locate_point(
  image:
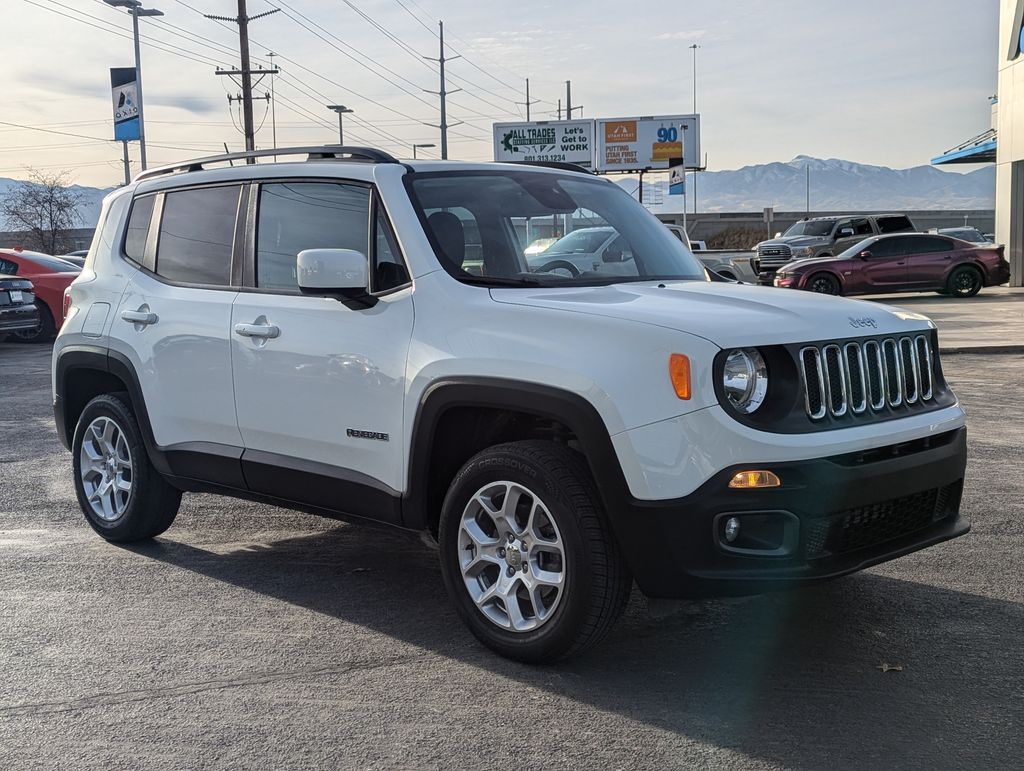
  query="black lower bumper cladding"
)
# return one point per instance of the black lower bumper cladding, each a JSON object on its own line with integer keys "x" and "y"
{"x": 843, "y": 513}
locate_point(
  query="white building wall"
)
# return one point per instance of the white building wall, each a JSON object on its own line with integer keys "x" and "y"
{"x": 1010, "y": 148}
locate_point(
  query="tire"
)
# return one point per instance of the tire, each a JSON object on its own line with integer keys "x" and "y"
{"x": 965, "y": 281}
{"x": 824, "y": 283}
{"x": 563, "y": 265}
{"x": 44, "y": 333}
{"x": 594, "y": 584}
{"x": 111, "y": 434}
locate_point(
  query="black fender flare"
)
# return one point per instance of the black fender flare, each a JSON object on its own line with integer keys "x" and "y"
{"x": 79, "y": 357}
{"x": 570, "y": 409}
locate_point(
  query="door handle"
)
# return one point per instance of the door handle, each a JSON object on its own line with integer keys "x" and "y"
{"x": 268, "y": 331}
{"x": 140, "y": 317}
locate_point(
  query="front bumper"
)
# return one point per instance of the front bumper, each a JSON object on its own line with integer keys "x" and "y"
{"x": 843, "y": 513}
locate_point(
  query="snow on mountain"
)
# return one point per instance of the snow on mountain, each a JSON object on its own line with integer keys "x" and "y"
{"x": 835, "y": 184}
{"x": 92, "y": 197}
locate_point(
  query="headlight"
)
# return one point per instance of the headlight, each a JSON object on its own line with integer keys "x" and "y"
{"x": 745, "y": 379}
{"x": 804, "y": 251}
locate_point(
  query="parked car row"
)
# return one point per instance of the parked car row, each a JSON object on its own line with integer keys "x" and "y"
{"x": 880, "y": 253}
{"x": 38, "y": 280}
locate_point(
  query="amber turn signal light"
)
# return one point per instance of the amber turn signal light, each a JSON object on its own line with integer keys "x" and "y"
{"x": 746, "y": 480}
{"x": 679, "y": 373}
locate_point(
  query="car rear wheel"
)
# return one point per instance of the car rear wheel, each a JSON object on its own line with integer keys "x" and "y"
{"x": 965, "y": 281}
{"x": 44, "y": 333}
{"x": 122, "y": 496}
{"x": 824, "y": 283}
{"x": 527, "y": 556}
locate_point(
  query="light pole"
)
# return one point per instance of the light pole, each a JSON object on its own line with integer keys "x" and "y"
{"x": 341, "y": 110}
{"x": 136, "y": 10}
{"x": 694, "y": 47}
{"x": 424, "y": 145}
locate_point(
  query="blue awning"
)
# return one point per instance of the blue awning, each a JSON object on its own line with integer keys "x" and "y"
{"x": 979, "y": 149}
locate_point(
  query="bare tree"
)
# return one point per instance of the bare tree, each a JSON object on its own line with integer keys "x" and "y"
{"x": 46, "y": 208}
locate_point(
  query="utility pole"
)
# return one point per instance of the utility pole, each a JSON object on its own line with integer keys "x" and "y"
{"x": 528, "y": 102}
{"x": 807, "y": 187}
{"x": 273, "y": 101}
{"x": 341, "y": 110}
{"x": 695, "y": 172}
{"x": 136, "y": 10}
{"x": 246, "y": 71}
{"x": 443, "y": 93}
{"x": 559, "y": 109}
{"x": 569, "y": 109}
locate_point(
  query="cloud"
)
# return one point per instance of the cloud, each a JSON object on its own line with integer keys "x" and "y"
{"x": 193, "y": 104}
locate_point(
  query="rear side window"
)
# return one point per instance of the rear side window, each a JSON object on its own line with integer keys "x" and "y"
{"x": 8, "y": 267}
{"x": 925, "y": 244}
{"x": 294, "y": 216}
{"x": 894, "y": 224}
{"x": 138, "y": 228}
{"x": 197, "y": 233}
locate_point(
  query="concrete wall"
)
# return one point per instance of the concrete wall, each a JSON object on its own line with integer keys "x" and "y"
{"x": 1010, "y": 145}
{"x": 703, "y": 226}
{"x": 80, "y": 238}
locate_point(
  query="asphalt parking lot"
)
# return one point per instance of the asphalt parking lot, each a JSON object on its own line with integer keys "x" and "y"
{"x": 249, "y": 636}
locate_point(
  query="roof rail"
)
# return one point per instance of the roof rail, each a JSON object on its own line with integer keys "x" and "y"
{"x": 560, "y": 165}
{"x": 318, "y": 153}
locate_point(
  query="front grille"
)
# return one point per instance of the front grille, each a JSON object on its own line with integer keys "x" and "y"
{"x": 877, "y": 523}
{"x": 872, "y": 376}
{"x": 774, "y": 256}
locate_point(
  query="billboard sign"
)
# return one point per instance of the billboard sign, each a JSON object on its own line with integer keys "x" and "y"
{"x": 564, "y": 141}
{"x": 124, "y": 93}
{"x": 637, "y": 144}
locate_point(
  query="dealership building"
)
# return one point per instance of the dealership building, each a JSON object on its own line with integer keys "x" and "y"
{"x": 1003, "y": 143}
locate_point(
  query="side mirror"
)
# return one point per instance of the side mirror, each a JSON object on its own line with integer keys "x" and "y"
{"x": 865, "y": 255}
{"x": 845, "y": 233}
{"x": 339, "y": 273}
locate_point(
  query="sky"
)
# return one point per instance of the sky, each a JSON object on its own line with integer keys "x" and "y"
{"x": 884, "y": 82}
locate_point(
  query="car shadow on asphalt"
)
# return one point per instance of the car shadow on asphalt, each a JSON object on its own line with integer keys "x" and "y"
{"x": 855, "y": 672}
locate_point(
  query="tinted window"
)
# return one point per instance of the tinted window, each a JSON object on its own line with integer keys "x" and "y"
{"x": 8, "y": 267}
{"x": 862, "y": 227}
{"x": 894, "y": 224}
{"x": 294, "y": 216}
{"x": 886, "y": 247}
{"x": 389, "y": 270}
{"x": 925, "y": 244}
{"x": 56, "y": 264}
{"x": 197, "y": 231}
{"x": 138, "y": 227}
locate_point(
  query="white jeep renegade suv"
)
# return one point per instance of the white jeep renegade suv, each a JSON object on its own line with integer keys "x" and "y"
{"x": 362, "y": 338}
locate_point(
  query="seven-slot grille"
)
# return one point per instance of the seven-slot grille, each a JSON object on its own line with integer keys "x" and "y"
{"x": 872, "y": 375}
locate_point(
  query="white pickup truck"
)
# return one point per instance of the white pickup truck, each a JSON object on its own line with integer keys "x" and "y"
{"x": 729, "y": 264}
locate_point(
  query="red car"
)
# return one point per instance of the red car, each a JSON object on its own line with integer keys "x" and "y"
{"x": 905, "y": 262}
{"x": 50, "y": 276}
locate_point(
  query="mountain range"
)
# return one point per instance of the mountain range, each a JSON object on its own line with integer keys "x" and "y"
{"x": 834, "y": 185}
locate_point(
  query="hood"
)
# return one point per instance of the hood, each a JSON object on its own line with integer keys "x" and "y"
{"x": 810, "y": 262}
{"x": 728, "y": 315}
{"x": 796, "y": 242}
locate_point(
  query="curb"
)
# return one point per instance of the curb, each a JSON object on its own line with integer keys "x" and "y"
{"x": 996, "y": 350}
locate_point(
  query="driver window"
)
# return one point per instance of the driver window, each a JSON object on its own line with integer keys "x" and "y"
{"x": 862, "y": 227}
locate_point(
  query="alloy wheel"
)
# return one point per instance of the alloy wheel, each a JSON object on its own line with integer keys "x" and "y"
{"x": 511, "y": 556}
{"x": 965, "y": 281}
{"x": 106, "y": 470}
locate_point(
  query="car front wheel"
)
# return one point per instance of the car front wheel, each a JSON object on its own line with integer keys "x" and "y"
{"x": 824, "y": 283}
{"x": 122, "y": 496}
{"x": 527, "y": 555}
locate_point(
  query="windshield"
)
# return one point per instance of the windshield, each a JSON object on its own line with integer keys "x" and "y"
{"x": 811, "y": 228}
{"x": 481, "y": 223}
{"x": 857, "y": 248}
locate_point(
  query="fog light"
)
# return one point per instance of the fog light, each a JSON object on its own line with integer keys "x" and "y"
{"x": 732, "y": 529}
{"x": 752, "y": 479}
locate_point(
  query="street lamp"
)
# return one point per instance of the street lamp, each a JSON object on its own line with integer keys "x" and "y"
{"x": 420, "y": 145}
{"x": 341, "y": 110}
{"x": 136, "y": 10}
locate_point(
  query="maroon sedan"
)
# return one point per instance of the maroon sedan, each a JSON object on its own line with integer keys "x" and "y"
{"x": 906, "y": 262}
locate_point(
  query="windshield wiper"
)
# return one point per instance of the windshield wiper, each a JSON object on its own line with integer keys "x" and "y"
{"x": 500, "y": 280}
